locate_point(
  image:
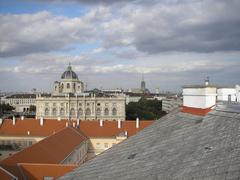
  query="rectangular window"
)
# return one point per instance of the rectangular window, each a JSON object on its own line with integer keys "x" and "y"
{"x": 98, "y": 145}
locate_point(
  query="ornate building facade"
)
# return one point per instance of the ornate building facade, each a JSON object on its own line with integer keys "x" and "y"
{"x": 69, "y": 101}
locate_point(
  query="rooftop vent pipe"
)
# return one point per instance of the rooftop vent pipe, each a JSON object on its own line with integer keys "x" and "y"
{"x": 119, "y": 124}
{"x": 101, "y": 123}
{"x": 14, "y": 120}
{"x": 137, "y": 122}
{"x": 41, "y": 121}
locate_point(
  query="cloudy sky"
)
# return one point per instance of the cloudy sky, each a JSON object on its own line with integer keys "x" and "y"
{"x": 110, "y": 43}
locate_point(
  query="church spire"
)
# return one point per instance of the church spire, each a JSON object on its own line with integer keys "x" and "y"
{"x": 143, "y": 84}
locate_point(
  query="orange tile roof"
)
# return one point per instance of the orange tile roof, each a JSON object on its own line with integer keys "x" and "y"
{"x": 38, "y": 171}
{"x": 51, "y": 150}
{"x": 90, "y": 128}
{"x": 110, "y": 128}
{"x": 22, "y": 127}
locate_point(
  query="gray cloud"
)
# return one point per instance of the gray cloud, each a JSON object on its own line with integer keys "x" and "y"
{"x": 189, "y": 26}
{"x": 182, "y": 26}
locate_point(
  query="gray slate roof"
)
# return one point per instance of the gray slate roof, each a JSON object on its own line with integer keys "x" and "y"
{"x": 178, "y": 146}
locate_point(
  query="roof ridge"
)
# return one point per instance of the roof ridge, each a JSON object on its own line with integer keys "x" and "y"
{"x": 53, "y": 164}
{"x": 9, "y": 173}
{"x": 26, "y": 149}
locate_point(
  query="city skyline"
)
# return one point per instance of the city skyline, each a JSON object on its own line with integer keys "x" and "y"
{"x": 111, "y": 43}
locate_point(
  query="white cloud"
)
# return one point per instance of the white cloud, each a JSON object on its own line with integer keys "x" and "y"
{"x": 43, "y": 32}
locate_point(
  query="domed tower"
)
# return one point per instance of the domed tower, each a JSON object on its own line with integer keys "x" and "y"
{"x": 69, "y": 83}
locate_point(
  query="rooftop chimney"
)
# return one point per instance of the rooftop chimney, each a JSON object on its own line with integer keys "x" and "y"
{"x": 28, "y": 133}
{"x": 59, "y": 118}
{"x": 14, "y": 120}
{"x": 41, "y": 121}
{"x": 78, "y": 122}
{"x": 101, "y": 123}
{"x": 22, "y": 117}
{"x": 119, "y": 124}
{"x": 74, "y": 125}
{"x": 66, "y": 124}
{"x": 199, "y": 99}
{"x": 137, "y": 122}
{"x": 1, "y": 121}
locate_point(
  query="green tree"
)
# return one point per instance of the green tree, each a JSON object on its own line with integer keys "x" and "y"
{"x": 5, "y": 108}
{"x": 144, "y": 109}
{"x": 32, "y": 108}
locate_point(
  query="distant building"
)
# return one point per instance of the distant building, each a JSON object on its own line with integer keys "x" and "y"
{"x": 21, "y": 102}
{"x": 69, "y": 101}
{"x": 141, "y": 90}
{"x": 229, "y": 94}
{"x": 171, "y": 103}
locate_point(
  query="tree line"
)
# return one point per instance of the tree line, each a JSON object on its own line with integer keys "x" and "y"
{"x": 144, "y": 109}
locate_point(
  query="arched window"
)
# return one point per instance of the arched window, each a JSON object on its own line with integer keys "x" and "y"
{"x": 72, "y": 112}
{"x": 74, "y": 86}
{"x": 68, "y": 85}
{"x": 54, "y": 111}
{"x": 62, "y": 112}
{"x": 106, "y": 112}
{"x": 114, "y": 111}
{"x": 88, "y": 112}
{"x": 98, "y": 112}
{"x": 46, "y": 112}
{"x": 80, "y": 112}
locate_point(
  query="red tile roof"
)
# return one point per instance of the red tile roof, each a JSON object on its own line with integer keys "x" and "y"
{"x": 51, "y": 150}
{"x": 90, "y": 128}
{"x": 38, "y": 171}
{"x": 110, "y": 128}
{"x": 22, "y": 127}
{"x": 60, "y": 143}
